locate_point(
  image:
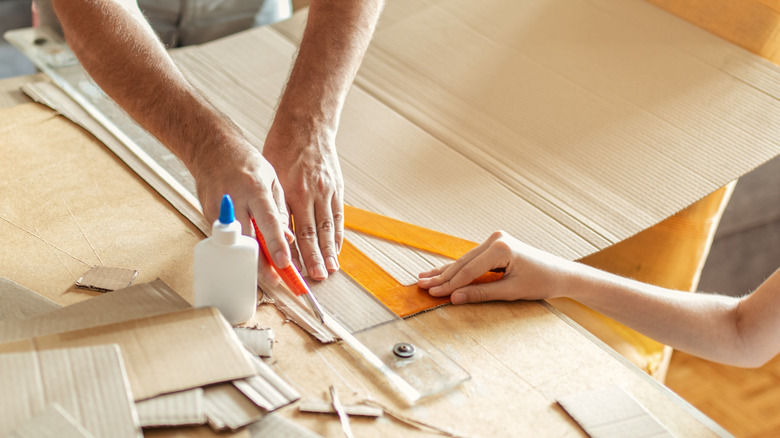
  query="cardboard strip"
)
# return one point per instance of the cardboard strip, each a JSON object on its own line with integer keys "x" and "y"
{"x": 612, "y": 413}
{"x": 184, "y": 408}
{"x": 18, "y": 302}
{"x": 266, "y": 389}
{"x": 276, "y": 426}
{"x": 141, "y": 300}
{"x": 156, "y": 349}
{"x": 89, "y": 383}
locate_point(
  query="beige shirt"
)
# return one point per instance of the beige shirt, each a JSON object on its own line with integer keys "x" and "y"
{"x": 185, "y": 22}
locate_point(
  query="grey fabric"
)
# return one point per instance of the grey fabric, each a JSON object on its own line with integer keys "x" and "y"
{"x": 186, "y": 22}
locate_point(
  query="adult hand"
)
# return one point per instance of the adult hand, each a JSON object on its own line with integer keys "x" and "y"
{"x": 237, "y": 168}
{"x": 308, "y": 169}
{"x": 529, "y": 273}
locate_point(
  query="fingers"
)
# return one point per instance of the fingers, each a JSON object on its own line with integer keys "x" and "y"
{"x": 440, "y": 277}
{"x": 271, "y": 223}
{"x": 307, "y": 233}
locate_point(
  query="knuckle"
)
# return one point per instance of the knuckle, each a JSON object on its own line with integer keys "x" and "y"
{"x": 306, "y": 233}
{"x": 480, "y": 294}
{"x": 326, "y": 226}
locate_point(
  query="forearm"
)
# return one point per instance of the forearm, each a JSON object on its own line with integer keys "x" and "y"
{"x": 705, "y": 325}
{"x": 334, "y": 42}
{"x": 122, "y": 54}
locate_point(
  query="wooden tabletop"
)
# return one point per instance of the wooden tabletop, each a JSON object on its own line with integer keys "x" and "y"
{"x": 69, "y": 203}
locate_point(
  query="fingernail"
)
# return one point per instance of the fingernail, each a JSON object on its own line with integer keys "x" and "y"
{"x": 281, "y": 260}
{"x": 319, "y": 271}
{"x": 332, "y": 264}
{"x": 458, "y": 298}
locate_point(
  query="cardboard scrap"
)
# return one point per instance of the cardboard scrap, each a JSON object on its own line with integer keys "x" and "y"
{"x": 258, "y": 341}
{"x": 137, "y": 301}
{"x": 276, "y": 426}
{"x": 227, "y": 408}
{"x": 106, "y": 279}
{"x": 53, "y": 422}
{"x": 266, "y": 389}
{"x": 164, "y": 353}
{"x": 612, "y": 413}
{"x": 183, "y": 408}
{"x": 18, "y": 302}
{"x": 321, "y": 407}
{"x": 89, "y": 383}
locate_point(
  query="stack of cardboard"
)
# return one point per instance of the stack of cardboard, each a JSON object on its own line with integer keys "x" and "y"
{"x": 137, "y": 357}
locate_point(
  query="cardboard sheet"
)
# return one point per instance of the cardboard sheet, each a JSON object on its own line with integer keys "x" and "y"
{"x": 89, "y": 383}
{"x": 141, "y": 300}
{"x": 227, "y": 408}
{"x": 156, "y": 350}
{"x": 53, "y": 422}
{"x": 18, "y": 302}
{"x": 106, "y": 279}
{"x": 612, "y": 413}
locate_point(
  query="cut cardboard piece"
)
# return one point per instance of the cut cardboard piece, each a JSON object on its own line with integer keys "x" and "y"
{"x": 258, "y": 341}
{"x": 227, "y": 408}
{"x": 184, "y": 408}
{"x": 53, "y": 422}
{"x": 106, "y": 279}
{"x": 276, "y": 426}
{"x": 158, "y": 350}
{"x": 612, "y": 413}
{"x": 141, "y": 300}
{"x": 18, "y": 302}
{"x": 89, "y": 383}
{"x": 266, "y": 389}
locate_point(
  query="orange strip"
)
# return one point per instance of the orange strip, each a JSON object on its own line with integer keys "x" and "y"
{"x": 402, "y": 300}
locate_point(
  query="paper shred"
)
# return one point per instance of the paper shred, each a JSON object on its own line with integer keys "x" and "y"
{"x": 106, "y": 279}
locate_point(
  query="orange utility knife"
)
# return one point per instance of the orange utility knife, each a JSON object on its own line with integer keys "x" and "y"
{"x": 291, "y": 277}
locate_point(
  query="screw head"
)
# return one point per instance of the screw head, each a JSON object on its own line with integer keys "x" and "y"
{"x": 404, "y": 350}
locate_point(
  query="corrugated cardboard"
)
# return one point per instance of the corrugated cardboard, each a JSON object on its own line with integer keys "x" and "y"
{"x": 164, "y": 353}
{"x": 184, "y": 408}
{"x": 257, "y": 341}
{"x": 89, "y": 383}
{"x": 18, "y": 302}
{"x": 612, "y": 413}
{"x": 266, "y": 389}
{"x": 141, "y": 300}
{"x": 106, "y": 279}
{"x": 227, "y": 408}
{"x": 53, "y": 422}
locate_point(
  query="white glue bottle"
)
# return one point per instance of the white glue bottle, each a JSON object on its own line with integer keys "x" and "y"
{"x": 226, "y": 268}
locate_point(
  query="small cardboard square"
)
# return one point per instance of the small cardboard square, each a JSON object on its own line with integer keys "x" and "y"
{"x": 54, "y": 422}
{"x": 164, "y": 353}
{"x": 612, "y": 413}
{"x": 18, "y": 302}
{"x": 106, "y": 279}
{"x": 89, "y": 383}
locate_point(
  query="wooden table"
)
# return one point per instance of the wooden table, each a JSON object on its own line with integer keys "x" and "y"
{"x": 68, "y": 203}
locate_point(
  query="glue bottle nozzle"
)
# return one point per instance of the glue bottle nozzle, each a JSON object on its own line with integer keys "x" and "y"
{"x": 226, "y": 214}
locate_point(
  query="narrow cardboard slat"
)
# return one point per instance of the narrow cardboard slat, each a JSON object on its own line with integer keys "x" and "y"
{"x": 18, "y": 302}
{"x": 136, "y": 301}
{"x": 156, "y": 350}
{"x": 89, "y": 383}
{"x": 267, "y": 390}
{"x": 184, "y": 408}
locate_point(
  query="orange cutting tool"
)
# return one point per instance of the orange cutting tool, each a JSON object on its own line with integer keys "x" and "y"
{"x": 291, "y": 277}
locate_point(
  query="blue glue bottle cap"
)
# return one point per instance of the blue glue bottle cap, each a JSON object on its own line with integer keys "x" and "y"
{"x": 226, "y": 213}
